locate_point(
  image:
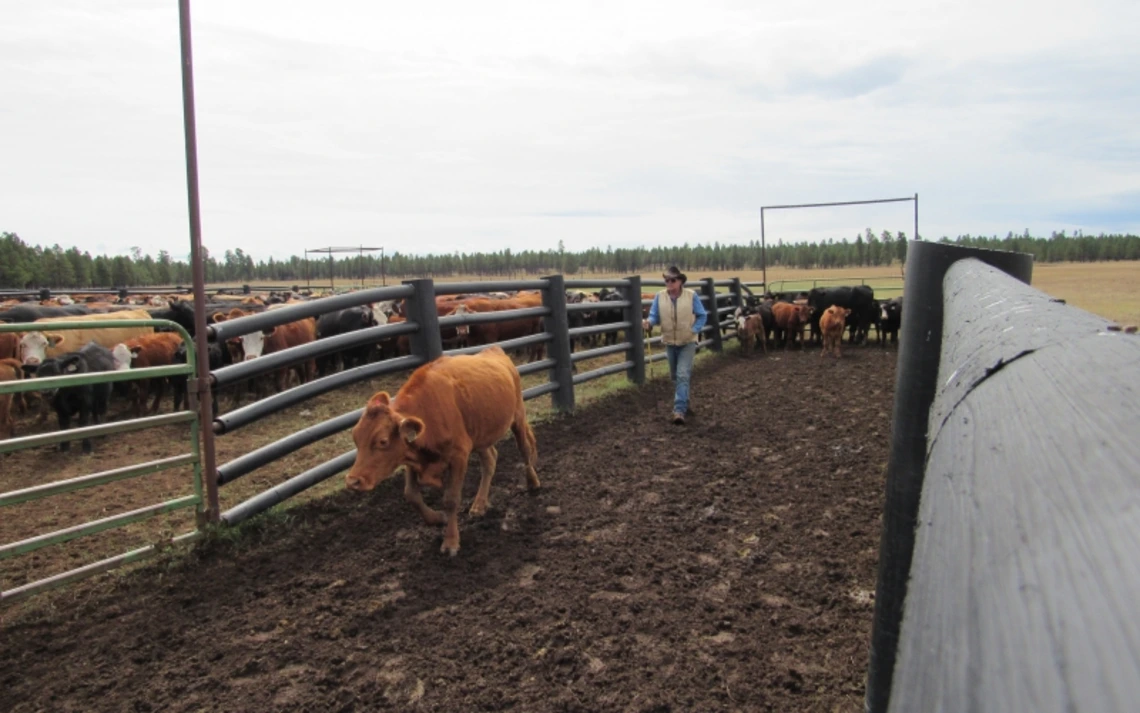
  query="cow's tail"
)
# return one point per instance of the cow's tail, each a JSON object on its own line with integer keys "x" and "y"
{"x": 528, "y": 447}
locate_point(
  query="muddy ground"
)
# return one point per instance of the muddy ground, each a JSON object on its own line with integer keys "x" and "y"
{"x": 727, "y": 565}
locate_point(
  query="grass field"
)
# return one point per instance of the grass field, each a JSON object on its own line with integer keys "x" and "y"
{"x": 1109, "y": 289}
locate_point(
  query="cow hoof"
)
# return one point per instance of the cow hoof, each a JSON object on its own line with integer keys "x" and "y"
{"x": 449, "y": 550}
{"x": 478, "y": 510}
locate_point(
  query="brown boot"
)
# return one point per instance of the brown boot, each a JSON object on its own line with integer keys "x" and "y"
{"x": 678, "y": 418}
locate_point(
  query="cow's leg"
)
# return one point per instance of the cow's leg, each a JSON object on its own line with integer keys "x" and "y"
{"x": 86, "y": 409}
{"x": 159, "y": 394}
{"x": 413, "y": 495}
{"x": 64, "y": 417}
{"x": 528, "y": 447}
{"x": 487, "y": 459}
{"x": 452, "y": 494}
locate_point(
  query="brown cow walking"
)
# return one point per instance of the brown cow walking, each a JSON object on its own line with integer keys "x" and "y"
{"x": 446, "y": 410}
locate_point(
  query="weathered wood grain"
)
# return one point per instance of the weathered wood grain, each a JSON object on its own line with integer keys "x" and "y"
{"x": 1024, "y": 592}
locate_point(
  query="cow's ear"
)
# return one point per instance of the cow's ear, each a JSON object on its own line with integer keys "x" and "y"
{"x": 219, "y": 317}
{"x": 269, "y": 332}
{"x": 411, "y": 428}
{"x": 378, "y": 401}
{"x": 54, "y": 338}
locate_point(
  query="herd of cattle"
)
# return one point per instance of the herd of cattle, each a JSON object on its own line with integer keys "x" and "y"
{"x": 825, "y": 312}
{"x": 42, "y": 352}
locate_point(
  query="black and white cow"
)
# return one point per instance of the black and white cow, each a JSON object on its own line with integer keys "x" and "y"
{"x": 890, "y": 319}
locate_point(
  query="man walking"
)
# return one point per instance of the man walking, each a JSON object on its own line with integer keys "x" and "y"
{"x": 682, "y": 316}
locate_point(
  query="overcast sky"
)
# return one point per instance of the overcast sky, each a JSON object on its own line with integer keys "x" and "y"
{"x": 460, "y": 126}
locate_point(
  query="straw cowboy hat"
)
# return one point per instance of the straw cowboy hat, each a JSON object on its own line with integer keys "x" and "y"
{"x": 673, "y": 272}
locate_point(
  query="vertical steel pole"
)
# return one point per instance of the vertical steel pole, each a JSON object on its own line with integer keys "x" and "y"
{"x": 763, "y": 252}
{"x": 916, "y": 216}
{"x": 557, "y": 323}
{"x": 635, "y": 335}
{"x": 709, "y": 291}
{"x": 202, "y": 386}
{"x": 420, "y": 308}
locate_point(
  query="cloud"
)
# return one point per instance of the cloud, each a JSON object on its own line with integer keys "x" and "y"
{"x": 514, "y": 124}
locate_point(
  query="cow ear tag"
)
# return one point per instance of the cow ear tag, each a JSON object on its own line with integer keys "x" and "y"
{"x": 72, "y": 368}
{"x": 411, "y": 428}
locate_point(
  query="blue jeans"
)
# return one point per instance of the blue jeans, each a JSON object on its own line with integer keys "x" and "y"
{"x": 680, "y": 369}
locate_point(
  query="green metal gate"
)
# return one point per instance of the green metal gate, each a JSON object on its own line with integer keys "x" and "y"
{"x": 190, "y": 458}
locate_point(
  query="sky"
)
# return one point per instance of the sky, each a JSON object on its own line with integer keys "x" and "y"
{"x": 462, "y": 127}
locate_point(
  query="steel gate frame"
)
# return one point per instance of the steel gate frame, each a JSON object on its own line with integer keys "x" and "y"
{"x": 193, "y": 459}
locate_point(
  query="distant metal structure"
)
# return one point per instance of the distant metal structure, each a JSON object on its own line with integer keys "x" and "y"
{"x": 763, "y": 248}
{"x": 332, "y": 267}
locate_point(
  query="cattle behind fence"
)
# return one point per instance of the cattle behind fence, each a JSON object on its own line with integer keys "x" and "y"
{"x": 423, "y": 326}
{"x": 1008, "y": 574}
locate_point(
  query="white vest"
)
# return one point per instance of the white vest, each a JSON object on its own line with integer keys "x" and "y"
{"x": 677, "y": 318}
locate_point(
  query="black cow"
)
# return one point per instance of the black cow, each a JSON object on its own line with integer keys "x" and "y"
{"x": 181, "y": 312}
{"x": 609, "y": 316}
{"x": 890, "y": 319}
{"x": 577, "y": 319}
{"x": 219, "y": 356}
{"x": 24, "y": 313}
{"x": 89, "y": 401}
{"x": 860, "y": 299}
{"x": 343, "y": 321}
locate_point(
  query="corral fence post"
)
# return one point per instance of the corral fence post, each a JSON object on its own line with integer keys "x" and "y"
{"x": 1022, "y": 573}
{"x": 635, "y": 334}
{"x": 709, "y": 290}
{"x": 426, "y": 341}
{"x": 920, "y": 347}
{"x": 737, "y": 291}
{"x": 557, "y": 324}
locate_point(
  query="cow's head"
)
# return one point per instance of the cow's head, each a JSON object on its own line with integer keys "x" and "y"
{"x": 383, "y": 440}
{"x": 463, "y": 330}
{"x": 838, "y": 312}
{"x": 34, "y": 346}
{"x": 253, "y": 344}
{"x": 380, "y": 312}
{"x": 122, "y": 356}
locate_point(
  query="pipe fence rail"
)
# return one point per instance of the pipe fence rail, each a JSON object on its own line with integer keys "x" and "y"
{"x": 1007, "y": 568}
{"x": 190, "y": 459}
{"x": 619, "y": 331}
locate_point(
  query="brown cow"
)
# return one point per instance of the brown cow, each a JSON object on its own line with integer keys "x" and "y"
{"x": 750, "y": 330}
{"x": 9, "y": 345}
{"x": 36, "y": 346}
{"x": 142, "y": 352}
{"x": 10, "y": 370}
{"x": 491, "y": 332}
{"x": 445, "y": 410}
{"x": 791, "y": 318}
{"x": 275, "y": 339}
{"x": 831, "y": 324}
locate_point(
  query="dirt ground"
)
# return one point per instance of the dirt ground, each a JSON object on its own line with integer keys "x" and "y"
{"x": 727, "y": 565}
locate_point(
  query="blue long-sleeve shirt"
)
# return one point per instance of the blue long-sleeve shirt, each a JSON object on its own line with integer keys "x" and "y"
{"x": 699, "y": 312}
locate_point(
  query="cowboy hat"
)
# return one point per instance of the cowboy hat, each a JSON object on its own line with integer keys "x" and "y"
{"x": 674, "y": 272}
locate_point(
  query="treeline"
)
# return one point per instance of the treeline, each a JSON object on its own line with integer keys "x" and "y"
{"x": 24, "y": 266}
